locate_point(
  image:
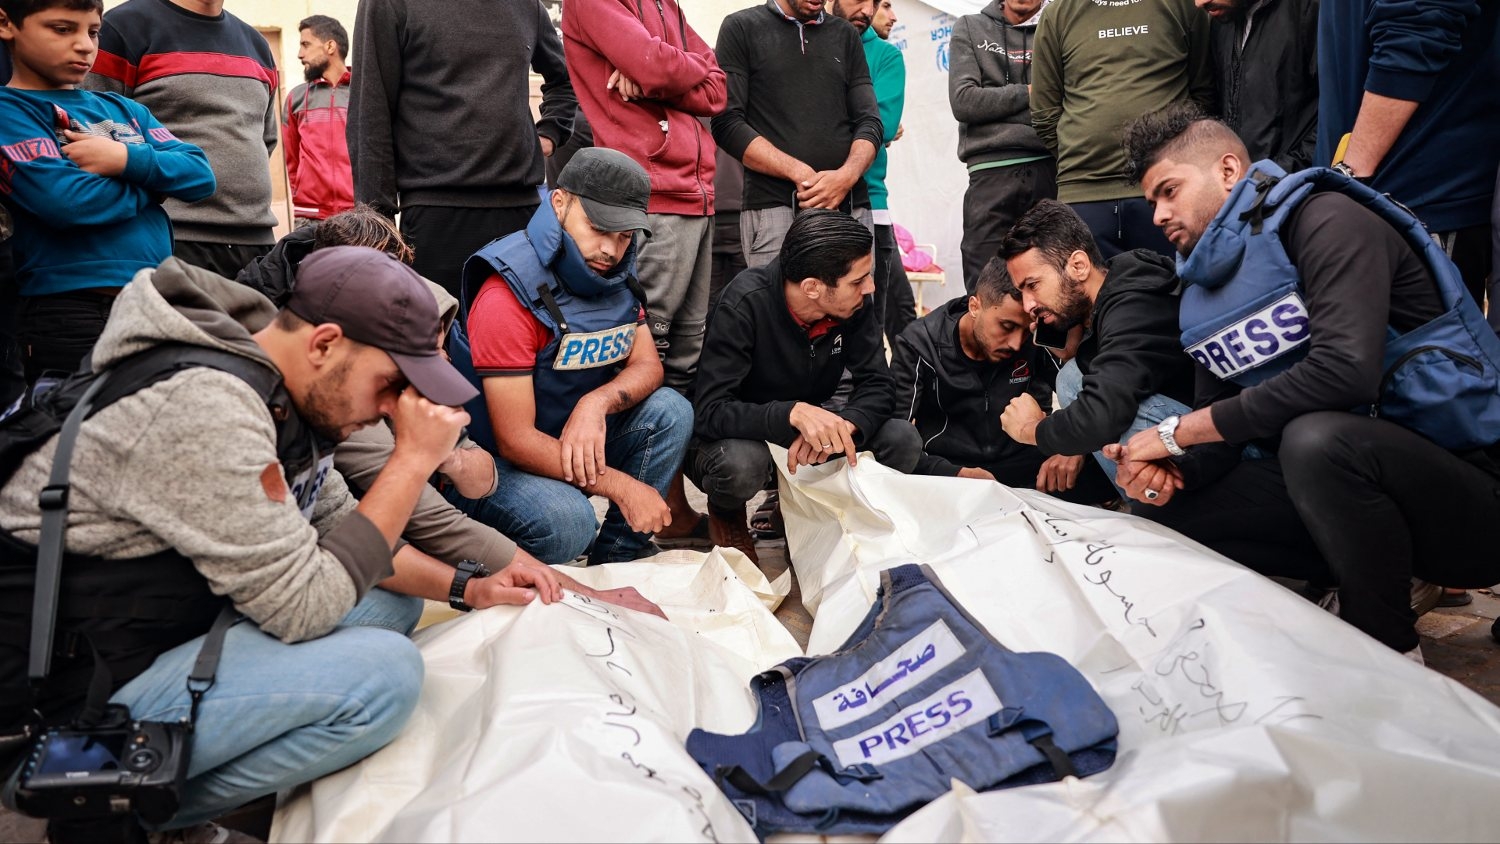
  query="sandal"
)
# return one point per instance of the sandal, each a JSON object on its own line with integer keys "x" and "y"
{"x": 697, "y": 538}
{"x": 1455, "y": 598}
{"x": 767, "y": 524}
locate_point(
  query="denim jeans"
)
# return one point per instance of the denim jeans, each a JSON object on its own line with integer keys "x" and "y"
{"x": 279, "y": 715}
{"x": 1153, "y": 409}
{"x": 553, "y": 520}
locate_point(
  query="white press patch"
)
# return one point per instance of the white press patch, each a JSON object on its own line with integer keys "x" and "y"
{"x": 916, "y": 660}
{"x": 1259, "y": 338}
{"x": 967, "y": 701}
{"x": 598, "y": 348}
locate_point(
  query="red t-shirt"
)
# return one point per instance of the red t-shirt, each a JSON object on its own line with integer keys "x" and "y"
{"x": 504, "y": 335}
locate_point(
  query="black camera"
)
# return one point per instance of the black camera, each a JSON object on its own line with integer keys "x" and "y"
{"x": 117, "y": 767}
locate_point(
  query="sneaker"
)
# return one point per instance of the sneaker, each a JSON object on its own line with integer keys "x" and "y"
{"x": 203, "y": 833}
{"x": 1424, "y": 596}
{"x": 728, "y": 530}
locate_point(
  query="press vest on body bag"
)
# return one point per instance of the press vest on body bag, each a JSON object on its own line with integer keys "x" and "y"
{"x": 1244, "y": 319}
{"x": 117, "y": 615}
{"x": 920, "y": 694}
{"x": 592, "y": 317}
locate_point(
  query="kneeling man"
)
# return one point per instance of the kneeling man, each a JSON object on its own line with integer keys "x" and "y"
{"x": 778, "y": 341}
{"x": 572, "y": 381}
{"x": 1308, "y": 296}
{"x": 958, "y": 367}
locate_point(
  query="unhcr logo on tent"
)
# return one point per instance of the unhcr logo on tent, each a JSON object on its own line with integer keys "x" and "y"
{"x": 942, "y": 57}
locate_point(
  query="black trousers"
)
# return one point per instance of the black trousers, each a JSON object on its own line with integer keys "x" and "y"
{"x": 58, "y": 331}
{"x": 12, "y": 375}
{"x": 226, "y": 259}
{"x": 1120, "y": 225}
{"x": 444, "y": 238}
{"x": 893, "y": 297}
{"x": 996, "y": 198}
{"x": 729, "y": 257}
{"x": 1359, "y": 503}
{"x": 731, "y": 472}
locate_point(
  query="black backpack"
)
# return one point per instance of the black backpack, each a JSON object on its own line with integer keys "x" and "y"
{"x": 118, "y": 615}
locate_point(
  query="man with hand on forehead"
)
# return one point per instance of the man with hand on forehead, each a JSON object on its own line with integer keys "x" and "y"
{"x": 571, "y": 378}
{"x": 214, "y": 485}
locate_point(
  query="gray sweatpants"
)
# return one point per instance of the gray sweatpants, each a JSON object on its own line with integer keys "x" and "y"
{"x": 673, "y": 267}
{"x": 763, "y": 229}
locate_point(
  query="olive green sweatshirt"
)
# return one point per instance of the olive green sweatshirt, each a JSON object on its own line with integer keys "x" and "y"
{"x": 1098, "y": 64}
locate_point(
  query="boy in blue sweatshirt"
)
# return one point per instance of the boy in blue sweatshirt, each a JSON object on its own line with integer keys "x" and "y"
{"x": 83, "y": 175}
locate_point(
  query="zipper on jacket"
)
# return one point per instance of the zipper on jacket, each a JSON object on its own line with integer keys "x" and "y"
{"x": 1385, "y": 380}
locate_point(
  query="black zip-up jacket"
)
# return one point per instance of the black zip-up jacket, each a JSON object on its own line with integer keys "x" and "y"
{"x": 1267, "y": 79}
{"x": 956, "y": 401}
{"x": 757, "y": 362}
{"x": 1133, "y": 350}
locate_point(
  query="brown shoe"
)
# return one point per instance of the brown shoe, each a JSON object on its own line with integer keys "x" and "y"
{"x": 728, "y": 530}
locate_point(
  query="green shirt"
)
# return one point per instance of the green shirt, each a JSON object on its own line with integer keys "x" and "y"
{"x": 1098, "y": 64}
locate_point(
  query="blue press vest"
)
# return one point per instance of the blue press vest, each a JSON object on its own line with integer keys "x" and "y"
{"x": 852, "y": 742}
{"x": 594, "y": 324}
{"x": 1244, "y": 319}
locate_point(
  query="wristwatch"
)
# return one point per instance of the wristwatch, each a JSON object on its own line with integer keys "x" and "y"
{"x": 467, "y": 569}
{"x": 1344, "y": 169}
{"x": 1167, "y": 430}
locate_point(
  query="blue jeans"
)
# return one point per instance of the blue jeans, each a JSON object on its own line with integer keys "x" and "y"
{"x": 553, "y": 520}
{"x": 1153, "y": 409}
{"x": 280, "y": 715}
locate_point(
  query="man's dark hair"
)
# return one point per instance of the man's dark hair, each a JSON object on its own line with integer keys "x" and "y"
{"x": 363, "y": 226}
{"x": 1056, "y": 231}
{"x": 19, "y": 10}
{"x": 1180, "y": 128}
{"x": 325, "y": 28}
{"x": 821, "y": 244}
{"x": 994, "y": 284}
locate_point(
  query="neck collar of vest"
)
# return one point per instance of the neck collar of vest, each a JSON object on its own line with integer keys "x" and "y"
{"x": 1217, "y": 257}
{"x": 557, "y": 251}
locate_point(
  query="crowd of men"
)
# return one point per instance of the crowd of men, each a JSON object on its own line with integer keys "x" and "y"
{"x": 1225, "y": 264}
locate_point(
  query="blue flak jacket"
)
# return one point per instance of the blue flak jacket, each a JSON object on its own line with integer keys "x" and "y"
{"x": 1244, "y": 319}
{"x": 920, "y": 694}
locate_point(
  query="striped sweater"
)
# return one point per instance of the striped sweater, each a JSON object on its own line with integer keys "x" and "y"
{"x": 213, "y": 82}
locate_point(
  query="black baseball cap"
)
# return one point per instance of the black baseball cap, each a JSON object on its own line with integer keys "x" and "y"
{"x": 613, "y": 188}
{"x": 381, "y": 302}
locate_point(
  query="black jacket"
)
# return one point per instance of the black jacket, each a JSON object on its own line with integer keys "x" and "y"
{"x": 956, "y": 401}
{"x": 274, "y": 274}
{"x": 1132, "y": 351}
{"x": 757, "y": 362}
{"x": 1268, "y": 88}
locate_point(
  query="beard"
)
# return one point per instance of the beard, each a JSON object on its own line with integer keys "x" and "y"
{"x": 314, "y": 72}
{"x": 1074, "y": 307}
{"x": 325, "y": 408}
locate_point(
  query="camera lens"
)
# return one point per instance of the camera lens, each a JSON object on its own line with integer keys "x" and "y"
{"x": 144, "y": 759}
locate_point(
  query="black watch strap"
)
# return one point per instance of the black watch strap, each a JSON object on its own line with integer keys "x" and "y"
{"x": 466, "y": 570}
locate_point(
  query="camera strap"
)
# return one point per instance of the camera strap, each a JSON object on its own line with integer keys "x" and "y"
{"x": 53, "y": 502}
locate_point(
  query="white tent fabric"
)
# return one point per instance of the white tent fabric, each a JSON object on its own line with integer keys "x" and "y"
{"x": 1245, "y": 712}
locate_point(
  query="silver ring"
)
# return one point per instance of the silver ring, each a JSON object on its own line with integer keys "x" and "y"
{"x": 828, "y": 446}
{"x": 1151, "y": 494}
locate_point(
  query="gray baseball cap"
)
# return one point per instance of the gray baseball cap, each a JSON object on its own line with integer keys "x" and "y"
{"x": 381, "y": 302}
{"x": 613, "y": 188}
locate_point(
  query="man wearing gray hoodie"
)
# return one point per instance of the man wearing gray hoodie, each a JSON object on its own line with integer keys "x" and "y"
{"x": 989, "y": 89}
{"x": 184, "y": 478}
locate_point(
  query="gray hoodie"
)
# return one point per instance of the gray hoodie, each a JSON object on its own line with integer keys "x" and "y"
{"x": 989, "y": 69}
{"x": 190, "y": 463}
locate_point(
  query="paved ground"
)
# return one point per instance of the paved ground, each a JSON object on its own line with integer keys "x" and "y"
{"x": 1455, "y": 642}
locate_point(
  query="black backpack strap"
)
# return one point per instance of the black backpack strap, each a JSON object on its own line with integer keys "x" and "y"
{"x": 54, "y": 504}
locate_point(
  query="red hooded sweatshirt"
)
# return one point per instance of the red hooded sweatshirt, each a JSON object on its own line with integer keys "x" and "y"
{"x": 650, "y": 42}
